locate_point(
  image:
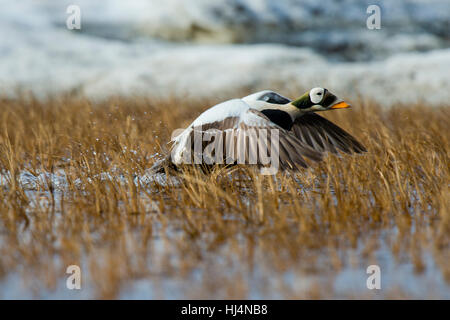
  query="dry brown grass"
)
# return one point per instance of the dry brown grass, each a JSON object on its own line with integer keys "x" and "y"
{"x": 230, "y": 234}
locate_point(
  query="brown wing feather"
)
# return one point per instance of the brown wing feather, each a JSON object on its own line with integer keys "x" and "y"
{"x": 323, "y": 135}
{"x": 292, "y": 151}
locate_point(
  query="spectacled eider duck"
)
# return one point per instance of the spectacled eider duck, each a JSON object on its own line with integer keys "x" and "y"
{"x": 301, "y": 133}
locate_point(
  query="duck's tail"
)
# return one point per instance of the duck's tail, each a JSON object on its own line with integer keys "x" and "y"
{"x": 163, "y": 165}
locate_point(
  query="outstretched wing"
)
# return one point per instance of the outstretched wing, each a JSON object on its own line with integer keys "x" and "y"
{"x": 241, "y": 132}
{"x": 291, "y": 151}
{"x": 323, "y": 135}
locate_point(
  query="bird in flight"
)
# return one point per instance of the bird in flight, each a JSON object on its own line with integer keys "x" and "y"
{"x": 290, "y": 130}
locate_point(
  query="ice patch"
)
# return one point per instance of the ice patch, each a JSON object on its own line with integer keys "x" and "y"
{"x": 117, "y": 52}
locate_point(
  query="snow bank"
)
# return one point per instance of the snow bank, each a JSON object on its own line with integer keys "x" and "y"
{"x": 119, "y": 50}
{"x": 329, "y": 26}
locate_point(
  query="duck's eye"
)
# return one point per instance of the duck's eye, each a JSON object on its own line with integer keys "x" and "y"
{"x": 316, "y": 97}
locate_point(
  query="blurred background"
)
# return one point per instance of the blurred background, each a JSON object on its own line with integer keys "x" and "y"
{"x": 209, "y": 48}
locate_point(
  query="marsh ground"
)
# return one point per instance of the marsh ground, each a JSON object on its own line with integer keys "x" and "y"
{"x": 74, "y": 189}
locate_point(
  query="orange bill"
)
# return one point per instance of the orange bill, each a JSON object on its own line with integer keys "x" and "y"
{"x": 340, "y": 105}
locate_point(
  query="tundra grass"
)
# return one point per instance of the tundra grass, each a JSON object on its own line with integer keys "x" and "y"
{"x": 74, "y": 190}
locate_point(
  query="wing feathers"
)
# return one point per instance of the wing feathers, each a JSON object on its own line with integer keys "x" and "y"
{"x": 243, "y": 141}
{"x": 323, "y": 135}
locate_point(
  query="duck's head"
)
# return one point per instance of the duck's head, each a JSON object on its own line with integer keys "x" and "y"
{"x": 319, "y": 99}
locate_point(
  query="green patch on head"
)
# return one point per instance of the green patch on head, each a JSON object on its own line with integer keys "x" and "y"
{"x": 303, "y": 102}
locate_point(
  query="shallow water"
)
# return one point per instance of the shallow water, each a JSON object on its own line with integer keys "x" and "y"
{"x": 399, "y": 277}
{"x": 397, "y": 280}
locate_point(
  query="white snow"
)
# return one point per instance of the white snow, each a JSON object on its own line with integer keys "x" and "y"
{"x": 119, "y": 50}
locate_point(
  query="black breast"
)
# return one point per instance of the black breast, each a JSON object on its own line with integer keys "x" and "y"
{"x": 281, "y": 118}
